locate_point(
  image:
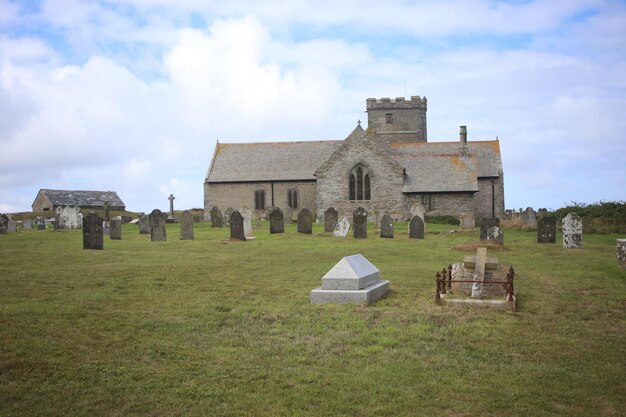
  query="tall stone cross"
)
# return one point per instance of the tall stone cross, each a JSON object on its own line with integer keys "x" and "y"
{"x": 106, "y": 211}
{"x": 171, "y": 198}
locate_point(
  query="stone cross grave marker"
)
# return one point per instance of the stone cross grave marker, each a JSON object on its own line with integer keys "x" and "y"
{"x": 546, "y": 230}
{"x": 572, "y": 231}
{"x": 342, "y": 228}
{"x": 485, "y": 224}
{"x": 330, "y": 220}
{"x": 236, "y": 226}
{"x": 246, "y": 213}
{"x": 186, "y": 226}
{"x": 277, "y": 222}
{"x": 157, "y": 226}
{"x": 386, "y": 227}
{"x": 416, "y": 228}
{"x": 216, "y": 217}
{"x": 144, "y": 225}
{"x": 115, "y": 230}
{"x": 359, "y": 218}
{"x": 305, "y": 222}
{"x": 93, "y": 236}
{"x": 27, "y": 224}
{"x": 171, "y": 198}
{"x": 479, "y": 272}
{"x": 106, "y": 212}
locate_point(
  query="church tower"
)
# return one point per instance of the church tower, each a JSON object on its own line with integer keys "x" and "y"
{"x": 398, "y": 120}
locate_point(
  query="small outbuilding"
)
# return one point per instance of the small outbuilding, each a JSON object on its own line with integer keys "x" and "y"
{"x": 49, "y": 200}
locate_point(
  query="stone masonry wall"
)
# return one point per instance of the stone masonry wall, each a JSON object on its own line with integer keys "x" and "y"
{"x": 239, "y": 195}
{"x": 42, "y": 203}
{"x": 444, "y": 204}
{"x": 408, "y": 119}
{"x": 483, "y": 199}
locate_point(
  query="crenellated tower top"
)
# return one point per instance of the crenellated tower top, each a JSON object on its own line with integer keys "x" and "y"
{"x": 398, "y": 120}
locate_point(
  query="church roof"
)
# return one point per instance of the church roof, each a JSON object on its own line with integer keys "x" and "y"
{"x": 269, "y": 161}
{"x": 82, "y": 198}
{"x": 438, "y": 173}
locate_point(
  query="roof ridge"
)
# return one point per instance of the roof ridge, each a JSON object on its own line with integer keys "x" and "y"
{"x": 395, "y": 145}
{"x": 281, "y": 142}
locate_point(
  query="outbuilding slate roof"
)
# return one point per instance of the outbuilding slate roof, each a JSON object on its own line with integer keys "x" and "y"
{"x": 269, "y": 161}
{"x": 83, "y": 198}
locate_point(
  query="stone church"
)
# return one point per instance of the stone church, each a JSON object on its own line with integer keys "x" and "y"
{"x": 388, "y": 167}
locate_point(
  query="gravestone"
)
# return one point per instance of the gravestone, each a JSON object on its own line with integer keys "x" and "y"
{"x": 495, "y": 234}
{"x": 106, "y": 212}
{"x": 68, "y": 217}
{"x": 529, "y": 218}
{"x": 621, "y": 253}
{"x": 546, "y": 230}
{"x": 417, "y": 209}
{"x": 572, "y": 231}
{"x": 330, "y": 220}
{"x": 115, "y": 231}
{"x": 4, "y": 224}
{"x": 144, "y": 225}
{"x": 11, "y": 226}
{"x": 157, "y": 226}
{"x": 216, "y": 217}
{"x": 542, "y": 212}
{"x": 342, "y": 228}
{"x": 353, "y": 279}
{"x": 359, "y": 218}
{"x": 288, "y": 215}
{"x": 171, "y": 198}
{"x": 41, "y": 223}
{"x": 305, "y": 222}
{"x": 236, "y": 226}
{"x": 416, "y": 228}
{"x": 93, "y": 236}
{"x": 277, "y": 222}
{"x": 27, "y": 224}
{"x": 106, "y": 227}
{"x": 246, "y": 213}
{"x": 227, "y": 213}
{"x": 386, "y": 226}
{"x": 485, "y": 224}
{"x": 186, "y": 225}
{"x": 466, "y": 221}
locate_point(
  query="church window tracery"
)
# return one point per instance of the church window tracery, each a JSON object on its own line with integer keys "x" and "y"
{"x": 360, "y": 188}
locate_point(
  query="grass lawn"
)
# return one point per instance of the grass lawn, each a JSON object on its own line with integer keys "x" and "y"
{"x": 217, "y": 328}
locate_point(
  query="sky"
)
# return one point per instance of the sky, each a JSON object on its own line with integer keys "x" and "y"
{"x": 133, "y": 95}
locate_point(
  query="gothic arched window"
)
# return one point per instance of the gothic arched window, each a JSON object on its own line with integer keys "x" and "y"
{"x": 359, "y": 183}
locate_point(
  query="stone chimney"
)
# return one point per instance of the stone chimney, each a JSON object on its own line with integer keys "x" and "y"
{"x": 463, "y": 134}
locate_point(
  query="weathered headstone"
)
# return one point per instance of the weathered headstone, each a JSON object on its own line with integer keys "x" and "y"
{"x": 342, "y": 228}
{"x": 305, "y": 222}
{"x": 416, "y": 228}
{"x": 277, "y": 222}
{"x": 542, "y": 212}
{"x": 330, "y": 220}
{"x": 216, "y": 217}
{"x": 227, "y": 213}
{"x": 157, "y": 226}
{"x": 144, "y": 225}
{"x": 386, "y": 226}
{"x": 186, "y": 226}
{"x": 246, "y": 213}
{"x": 41, "y": 223}
{"x": 288, "y": 215}
{"x": 27, "y": 224}
{"x": 495, "y": 234}
{"x": 68, "y": 217}
{"x": 621, "y": 253}
{"x": 529, "y": 218}
{"x": 106, "y": 227}
{"x": 359, "y": 219}
{"x": 546, "y": 230}
{"x": 485, "y": 224}
{"x": 4, "y": 224}
{"x": 236, "y": 226}
{"x": 417, "y": 209}
{"x": 11, "y": 226}
{"x": 466, "y": 221}
{"x": 572, "y": 231}
{"x": 353, "y": 279}
{"x": 93, "y": 236}
{"x": 115, "y": 230}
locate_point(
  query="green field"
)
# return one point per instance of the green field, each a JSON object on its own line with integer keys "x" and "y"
{"x": 212, "y": 327}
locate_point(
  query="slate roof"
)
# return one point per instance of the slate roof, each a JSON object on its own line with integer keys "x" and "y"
{"x": 83, "y": 198}
{"x": 438, "y": 173}
{"x": 269, "y": 161}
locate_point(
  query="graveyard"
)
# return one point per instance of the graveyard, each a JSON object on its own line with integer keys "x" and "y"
{"x": 209, "y": 325}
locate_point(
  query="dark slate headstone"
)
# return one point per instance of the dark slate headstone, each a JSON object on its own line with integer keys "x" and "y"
{"x": 144, "y": 225}
{"x": 416, "y": 228}
{"x": 186, "y": 225}
{"x": 4, "y": 224}
{"x": 359, "y": 219}
{"x": 157, "y": 226}
{"x": 305, "y": 222}
{"x": 330, "y": 220}
{"x": 93, "y": 236}
{"x": 546, "y": 230}
{"x": 386, "y": 226}
{"x": 115, "y": 228}
{"x": 485, "y": 224}
{"x": 227, "y": 213}
{"x": 277, "y": 221}
{"x": 216, "y": 217}
{"x": 236, "y": 226}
